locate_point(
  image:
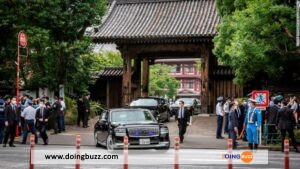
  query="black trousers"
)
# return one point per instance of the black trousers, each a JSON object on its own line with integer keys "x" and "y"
{"x": 10, "y": 131}
{"x": 43, "y": 132}
{"x": 226, "y": 131}
{"x": 182, "y": 124}
{"x": 85, "y": 119}
{"x": 291, "y": 135}
{"x": 79, "y": 118}
{"x": 219, "y": 127}
{"x": 233, "y": 136}
{"x": 271, "y": 129}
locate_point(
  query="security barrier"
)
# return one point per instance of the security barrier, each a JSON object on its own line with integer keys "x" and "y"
{"x": 176, "y": 148}
{"x": 125, "y": 152}
{"x": 78, "y": 142}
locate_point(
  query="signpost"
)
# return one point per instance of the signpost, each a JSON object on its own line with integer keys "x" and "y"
{"x": 262, "y": 101}
{"x": 22, "y": 43}
{"x": 262, "y": 98}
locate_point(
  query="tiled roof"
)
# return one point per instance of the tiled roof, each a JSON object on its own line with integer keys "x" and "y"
{"x": 109, "y": 71}
{"x": 134, "y": 21}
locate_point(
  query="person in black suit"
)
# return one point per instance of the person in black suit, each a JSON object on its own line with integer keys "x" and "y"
{"x": 86, "y": 110}
{"x": 271, "y": 115}
{"x": 11, "y": 121}
{"x": 42, "y": 116}
{"x": 79, "y": 110}
{"x": 285, "y": 123}
{"x": 233, "y": 123}
{"x": 182, "y": 117}
{"x": 56, "y": 109}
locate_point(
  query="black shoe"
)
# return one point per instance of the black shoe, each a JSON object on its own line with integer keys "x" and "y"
{"x": 220, "y": 137}
{"x": 45, "y": 144}
{"x": 23, "y": 143}
{"x": 54, "y": 133}
{"x": 4, "y": 145}
{"x": 12, "y": 145}
{"x": 250, "y": 146}
{"x": 181, "y": 141}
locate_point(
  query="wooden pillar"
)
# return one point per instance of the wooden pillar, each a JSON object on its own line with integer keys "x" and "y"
{"x": 145, "y": 78}
{"x": 205, "y": 98}
{"x": 126, "y": 85}
{"x": 136, "y": 79}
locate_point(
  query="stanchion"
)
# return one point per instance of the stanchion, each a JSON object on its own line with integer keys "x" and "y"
{"x": 78, "y": 142}
{"x": 176, "y": 148}
{"x": 125, "y": 153}
{"x": 286, "y": 154}
{"x": 229, "y": 152}
{"x": 32, "y": 140}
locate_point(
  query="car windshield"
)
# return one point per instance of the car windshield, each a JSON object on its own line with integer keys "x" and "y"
{"x": 185, "y": 100}
{"x": 144, "y": 102}
{"x": 129, "y": 116}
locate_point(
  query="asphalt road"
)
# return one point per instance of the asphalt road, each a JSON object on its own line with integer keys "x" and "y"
{"x": 18, "y": 158}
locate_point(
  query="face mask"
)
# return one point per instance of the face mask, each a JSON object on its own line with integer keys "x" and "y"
{"x": 41, "y": 105}
{"x": 14, "y": 102}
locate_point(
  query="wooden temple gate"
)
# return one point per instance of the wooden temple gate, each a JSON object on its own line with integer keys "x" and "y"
{"x": 145, "y": 30}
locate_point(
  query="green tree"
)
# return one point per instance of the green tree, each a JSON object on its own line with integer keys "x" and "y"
{"x": 56, "y": 39}
{"x": 256, "y": 38}
{"x": 161, "y": 82}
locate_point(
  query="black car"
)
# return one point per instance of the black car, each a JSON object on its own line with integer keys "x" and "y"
{"x": 139, "y": 125}
{"x": 159, "y": 107}
{"x": 192, "y": 104}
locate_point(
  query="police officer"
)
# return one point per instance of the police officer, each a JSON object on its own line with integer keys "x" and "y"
{"x": 252, "y": 124}
{"x": 42, "y": 116}
{"x": 182, "y": 117}
{"x": 2, "y": 123}
{"x": 56, "y": 110}
{"x": 285, "y": 123}
{"x": 11, "y": 121}
{"x": 29, "y": 116}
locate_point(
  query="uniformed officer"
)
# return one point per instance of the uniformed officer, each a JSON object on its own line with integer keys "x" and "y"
{"x": 29, "y": 116}
{"x": 252, "y": 124}
{"x": 182, "y": 117}
{"x": 42, "y": 116}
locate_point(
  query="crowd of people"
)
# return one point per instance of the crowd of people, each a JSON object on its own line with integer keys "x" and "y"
{"x": 243, "y": 120}
{"x": 35, "y": 116}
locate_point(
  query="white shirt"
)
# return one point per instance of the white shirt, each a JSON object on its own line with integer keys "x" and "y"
{"x": 226, "y": 107}
{"x": 29, "y": 113}
{"x": 63, "y": 105}
{"x": 294, "y": 106}
{"x": 181, "y": 112}
{"x": 219, "y": 110}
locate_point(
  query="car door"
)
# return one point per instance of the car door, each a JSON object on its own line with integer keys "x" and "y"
{"x": 103, "y": 126}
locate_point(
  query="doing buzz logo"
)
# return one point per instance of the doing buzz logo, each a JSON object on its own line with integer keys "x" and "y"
{"x": 246, "y": 156}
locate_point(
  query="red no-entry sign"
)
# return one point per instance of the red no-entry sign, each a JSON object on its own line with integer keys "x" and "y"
{"x": 22, "y": 39}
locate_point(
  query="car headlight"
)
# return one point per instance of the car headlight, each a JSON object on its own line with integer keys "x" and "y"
{"x": 164, "y": 130}
{"x": 120, "y": 132}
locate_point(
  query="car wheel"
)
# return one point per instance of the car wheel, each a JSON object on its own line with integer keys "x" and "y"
{"x": 96, "y": 139}
{"x": 109, "y": 143}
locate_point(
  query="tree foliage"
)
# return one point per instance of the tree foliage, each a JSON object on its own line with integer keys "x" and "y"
{"x": 161, "y": 82}
{"x": 56, "y": 38}
{"x": 255, "y": 37}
